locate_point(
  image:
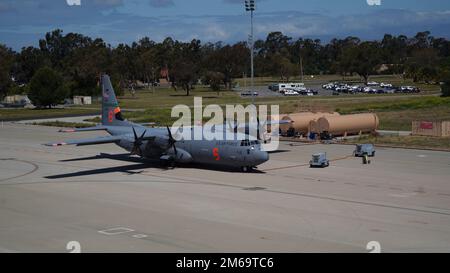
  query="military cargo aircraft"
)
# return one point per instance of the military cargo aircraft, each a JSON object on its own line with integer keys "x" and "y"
{"x": 243, "y": 152}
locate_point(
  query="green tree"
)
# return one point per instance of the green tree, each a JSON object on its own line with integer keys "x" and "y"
{"x": 285, "y": 68}
{"x": 29, "y": 61}
{"x": 184, "y": 76}
{"x": 446, "y": 88}
{"x": 47, "y": 88}
{"x": 366, "y": 59}
{"x": 84, "y": 67}
{"x": 214, "y": 79}
{"x": 6, "y": 65}
{"x": 444, "y": 75}
{"x": 422, "y": 65}
{"x": 232, "y": 61}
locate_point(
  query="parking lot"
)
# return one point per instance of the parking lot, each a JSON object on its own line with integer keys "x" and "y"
{"x": 328, "y": 89}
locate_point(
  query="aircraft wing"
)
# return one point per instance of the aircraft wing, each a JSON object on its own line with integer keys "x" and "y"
{"x": 270, "y": 122}
{"x": 255, "y": 124}
{"x": 88, "y": 141}
{"x": 89, "y": 129}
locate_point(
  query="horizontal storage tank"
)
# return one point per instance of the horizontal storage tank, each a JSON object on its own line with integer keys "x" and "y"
{"x": 313, "y": 126}
{"x": 348, "y": 124}
{"x": 301, "y": 121}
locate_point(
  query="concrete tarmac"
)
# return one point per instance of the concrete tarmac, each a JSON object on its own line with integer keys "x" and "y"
{"x": 52, "y": 196}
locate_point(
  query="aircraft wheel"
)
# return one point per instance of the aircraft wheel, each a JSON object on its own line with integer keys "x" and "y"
{"x": 245, "y": 169}
{"x": 171, "y": 164}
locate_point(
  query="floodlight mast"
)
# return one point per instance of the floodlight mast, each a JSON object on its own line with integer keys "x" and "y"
{"x": 250, "y": 6}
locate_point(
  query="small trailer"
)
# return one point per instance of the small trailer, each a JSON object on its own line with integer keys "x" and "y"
{"x": 319, "y": 160}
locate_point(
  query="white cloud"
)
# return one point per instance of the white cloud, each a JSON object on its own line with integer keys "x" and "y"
{"x": 116, "y": 27}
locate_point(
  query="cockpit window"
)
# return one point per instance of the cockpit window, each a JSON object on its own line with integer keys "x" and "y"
{"x": 249, "y": 143}
{"x": 245, "y": 143}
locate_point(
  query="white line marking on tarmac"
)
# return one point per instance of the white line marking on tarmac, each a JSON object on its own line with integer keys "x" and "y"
{"x": 403, "y": 195}
{"x": 140, "y": 236}
{"x": 115, "y": 231}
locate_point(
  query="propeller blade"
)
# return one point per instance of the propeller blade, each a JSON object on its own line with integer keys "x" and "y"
{"x": 137, "y": 143}
{"x": 258, "y": 129}
{"x": 143, "y": 135}
{"x": 170, "y": 133}
{"x": 135, "y": 135}
{"x": 172, "y": 141}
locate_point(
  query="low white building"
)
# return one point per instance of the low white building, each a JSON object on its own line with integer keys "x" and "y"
{"x": 17, "y": 99}
{"x": 82, "y": 100}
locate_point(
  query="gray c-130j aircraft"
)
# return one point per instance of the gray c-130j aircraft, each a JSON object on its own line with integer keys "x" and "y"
{"x": 158, "y": 143}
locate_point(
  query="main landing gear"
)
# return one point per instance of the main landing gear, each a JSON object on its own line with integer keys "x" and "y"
{"x": 168, "y": 163}
{"x": 247, "y": 169}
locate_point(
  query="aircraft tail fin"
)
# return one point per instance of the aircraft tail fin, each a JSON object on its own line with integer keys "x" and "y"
{"x": 111, "y": 113}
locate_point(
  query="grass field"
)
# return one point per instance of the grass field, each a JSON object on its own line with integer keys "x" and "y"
{"x": 64, "y": 124}
{"x": 396, "y": 111}
{"x": 21, "y": 114}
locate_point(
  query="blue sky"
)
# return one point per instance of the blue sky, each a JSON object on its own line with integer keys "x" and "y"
{"x": 23, "y": 22}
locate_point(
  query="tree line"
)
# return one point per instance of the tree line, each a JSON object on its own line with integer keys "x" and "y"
{"x": 77, "y": 61}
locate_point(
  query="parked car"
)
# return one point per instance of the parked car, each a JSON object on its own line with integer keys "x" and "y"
{"x": 290, "y": 93}
{"x": 409, "y": 89}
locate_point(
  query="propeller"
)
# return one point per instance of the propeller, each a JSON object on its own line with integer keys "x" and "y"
{"x": 258, "y": 130}
{"x": 172, "y": 141}
{"x": 137, "y": 143}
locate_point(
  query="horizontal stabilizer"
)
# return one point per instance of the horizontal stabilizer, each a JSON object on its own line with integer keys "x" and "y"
{"x": 148, "y": 124}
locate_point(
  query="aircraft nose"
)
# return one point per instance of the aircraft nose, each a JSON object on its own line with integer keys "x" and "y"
{"x": 262, "y": 157}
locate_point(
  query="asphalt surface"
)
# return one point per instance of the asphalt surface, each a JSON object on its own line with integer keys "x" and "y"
{"x": 52, "y": 196}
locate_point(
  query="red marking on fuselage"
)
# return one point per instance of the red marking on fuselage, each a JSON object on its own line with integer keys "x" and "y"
{"x": 110, "y": 116}
{"x": 216, "y": 154}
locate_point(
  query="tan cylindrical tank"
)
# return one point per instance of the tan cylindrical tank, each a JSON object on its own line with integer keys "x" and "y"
{"x": 313, "y": 127}
{"x": 301, "y": 121}
{"x": 274, "y": 118}
{"x": 348, "y": 124}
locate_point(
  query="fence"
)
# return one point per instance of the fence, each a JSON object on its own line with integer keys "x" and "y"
{"x": 431, "y": 128}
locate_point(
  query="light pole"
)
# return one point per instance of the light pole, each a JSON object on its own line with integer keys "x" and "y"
{"x": 250, "y": 6}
